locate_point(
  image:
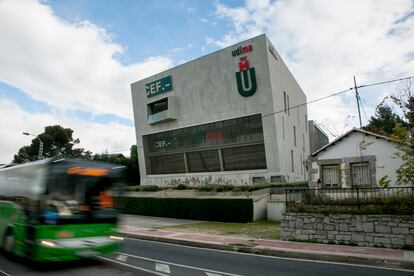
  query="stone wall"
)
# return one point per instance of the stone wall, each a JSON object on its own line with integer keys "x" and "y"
{"x": 364, "y": 230}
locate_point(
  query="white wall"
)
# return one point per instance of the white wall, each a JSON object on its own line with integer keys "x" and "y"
{"x": 283, "y": 81}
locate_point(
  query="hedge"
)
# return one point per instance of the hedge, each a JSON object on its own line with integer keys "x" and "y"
{"x": 210, "y": 209}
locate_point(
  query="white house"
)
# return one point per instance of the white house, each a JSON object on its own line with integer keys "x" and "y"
{"x": 357, "y": 158}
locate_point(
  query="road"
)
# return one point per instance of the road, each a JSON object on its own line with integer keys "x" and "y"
{"x": 169, "y": 259}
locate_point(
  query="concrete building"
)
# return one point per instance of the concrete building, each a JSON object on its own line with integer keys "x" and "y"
{"x": 317, "y": 137}
{"x": 357, "y": 158}
{"x": 227, "y": 117}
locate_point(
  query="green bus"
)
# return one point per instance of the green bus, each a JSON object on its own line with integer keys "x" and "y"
{"x": 59, "y": 209}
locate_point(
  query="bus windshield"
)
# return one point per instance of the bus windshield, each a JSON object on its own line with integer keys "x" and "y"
{"x": 76, "y": 195}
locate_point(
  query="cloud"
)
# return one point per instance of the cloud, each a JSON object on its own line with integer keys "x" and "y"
{"x": 67, "y": 65}
{"x": 325, "y": 43}
{"x": 180, "y": 49}
{"x": 99, "y": 138}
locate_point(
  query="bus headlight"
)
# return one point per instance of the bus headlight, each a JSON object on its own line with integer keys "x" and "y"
{"x": 117, "y": 238}
{"x": 48, "y": 243}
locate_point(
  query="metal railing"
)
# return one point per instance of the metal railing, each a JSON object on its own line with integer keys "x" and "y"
{"x": 356, "y": 196}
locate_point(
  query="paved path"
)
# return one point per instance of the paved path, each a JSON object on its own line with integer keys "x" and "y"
{"x": 152, "y": 222}
{"x": 336, "y": 253}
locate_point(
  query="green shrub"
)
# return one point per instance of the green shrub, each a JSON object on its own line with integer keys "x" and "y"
{"x": 181, "y": 187}
{"x": 211, "y": 209}
{"x": 132, "y": 188}
{"x": 149, "y": 188}
{"x": 215, "y": 188}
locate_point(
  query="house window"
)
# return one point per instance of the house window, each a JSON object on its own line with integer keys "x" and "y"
{"x": 283, "y": 127}
{"x": 331, "y": 175}
{"x": 360, "y": 175}
{"x": 292, "y": 163}
{"x": 284, "y": 101}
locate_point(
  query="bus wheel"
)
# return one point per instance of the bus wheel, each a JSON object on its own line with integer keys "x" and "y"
{"x": 8, "y": 243}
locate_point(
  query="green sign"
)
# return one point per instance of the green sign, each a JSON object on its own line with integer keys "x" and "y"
{"x": 158, "y": 87}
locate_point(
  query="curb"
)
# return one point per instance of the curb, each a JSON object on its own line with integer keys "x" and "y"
{"x": 286, "y": 253}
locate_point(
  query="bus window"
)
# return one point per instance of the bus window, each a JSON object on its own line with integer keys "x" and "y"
{"x": 80, "y": 196}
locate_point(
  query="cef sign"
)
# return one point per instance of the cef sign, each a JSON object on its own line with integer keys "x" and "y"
{"x": 158, "y": 87}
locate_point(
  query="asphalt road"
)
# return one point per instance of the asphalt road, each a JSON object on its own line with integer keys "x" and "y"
{"x": 139, "y": 257}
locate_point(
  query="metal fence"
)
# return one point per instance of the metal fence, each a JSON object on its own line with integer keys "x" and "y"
{"x": 348, "y": 196}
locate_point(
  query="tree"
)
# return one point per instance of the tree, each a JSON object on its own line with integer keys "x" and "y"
{"x": 133, "y": 175}
{"x": 131, "y": 163}
{"x": 57, "y": 141}
{"x": 384, "y": 121}
{"x": 403, "y": 135}
{"x": 400, "y": 129}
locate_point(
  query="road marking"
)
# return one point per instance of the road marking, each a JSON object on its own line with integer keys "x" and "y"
{"x": 4, "y": 272}
{"x": 212, "y": 274}
{"x": 180, "y": 265}
{"x": 273, "y": 257}
{"x": 162, "y": 268}
{"x": 128, "y": 265}
{"x": 122, "y": 258}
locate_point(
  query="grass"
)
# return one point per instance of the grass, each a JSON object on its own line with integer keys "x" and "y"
{"x": 262, "y": 229}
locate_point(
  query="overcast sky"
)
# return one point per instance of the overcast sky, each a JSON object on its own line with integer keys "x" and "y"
{"x": 71, "y": 62}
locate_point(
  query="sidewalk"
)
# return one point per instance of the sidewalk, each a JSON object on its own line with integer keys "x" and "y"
{"x": 312, "y": 251}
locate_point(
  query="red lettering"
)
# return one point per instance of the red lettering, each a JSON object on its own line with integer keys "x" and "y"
{"x": 215, "y": 136}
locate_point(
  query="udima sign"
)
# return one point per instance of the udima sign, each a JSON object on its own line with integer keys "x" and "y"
{"x": 242, "y": 50}
{"x": 246, "y": 78}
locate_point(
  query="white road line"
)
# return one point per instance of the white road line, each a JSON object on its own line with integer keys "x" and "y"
{"x": 132, "y": 266}
{"x": 4, "y": 272}
{"x": 122, "y": 258}
{"x": 162, "y": 268}
{"x": 274, "y": 257}
{"x": 180, "y": 265}
{"x": 212, "y": 274}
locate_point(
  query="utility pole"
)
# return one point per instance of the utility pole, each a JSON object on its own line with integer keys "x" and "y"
{"x": 357, "y": 98}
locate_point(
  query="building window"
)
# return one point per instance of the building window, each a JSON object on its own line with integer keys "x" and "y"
{"x": 288, "y": 104}
{"x": 306, "y": 123}
{"x": 235, "y": 144}
{"x": 284, "y": 101}
{"x": 203, "y": 161}
{"x": 166, "y": 164}
{"x": 158, "y": 106}
{"x": 292, "y": 163}
{"x": 301, "y": 164}
{"x": 294, "y": 135}
{"x": 360, "y": 174}
{"x": 283, "y": 127}
{"x": 244, "y": 158}
{"x": 331, "y": 175}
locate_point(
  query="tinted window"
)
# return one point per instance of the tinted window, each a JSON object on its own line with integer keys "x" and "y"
{"x": 203, "y": 161}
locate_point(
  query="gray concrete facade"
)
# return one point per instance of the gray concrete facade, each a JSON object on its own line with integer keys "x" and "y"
{"x": 317, "y": 137}
{"x": 205, "y": 90}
